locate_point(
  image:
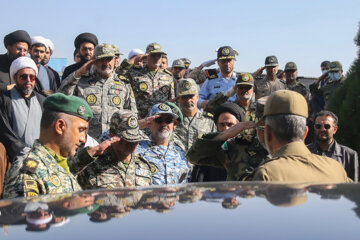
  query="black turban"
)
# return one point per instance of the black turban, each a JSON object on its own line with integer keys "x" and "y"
{"x": 17, "y": 36}
{"x": 231, "y": 108}
{"x": 85, "y": 37}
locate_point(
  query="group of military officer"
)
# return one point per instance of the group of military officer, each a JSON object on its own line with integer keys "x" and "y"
{"x": 99, "y": 95}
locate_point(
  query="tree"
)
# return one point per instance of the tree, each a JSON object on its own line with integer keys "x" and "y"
{"x": 345, "y": 103}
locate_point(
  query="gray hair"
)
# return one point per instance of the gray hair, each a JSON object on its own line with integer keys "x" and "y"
{"x": 287, "y": 128}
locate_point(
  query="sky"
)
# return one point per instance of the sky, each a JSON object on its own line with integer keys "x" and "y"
{"x": 306, "y": 32}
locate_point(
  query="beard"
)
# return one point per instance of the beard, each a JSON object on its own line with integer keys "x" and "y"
{"x": 187, "y": 106}
{"x": 163, "y": 134}
{"x": 323, "y": 137}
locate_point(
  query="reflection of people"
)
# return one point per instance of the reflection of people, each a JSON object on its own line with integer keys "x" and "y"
{"x": 286, "y": 196}
{"x": 285, "y": 116}
{"x": 38, "y": 216}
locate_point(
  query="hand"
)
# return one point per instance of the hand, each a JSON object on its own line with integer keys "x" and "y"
{"x": 208, "y": 63}
{"x": 84, "y": 68}
{"x": 241, "y": 126}
{"x": 174, "y": 99}
{"x": 259, "y": 71}
{"x": 100, "y": 149}
{"x": 146, "y": 122}
{"x": 9, "y": 87}
{"x": 204, "y": 103}
{"x": 230, "y": 92}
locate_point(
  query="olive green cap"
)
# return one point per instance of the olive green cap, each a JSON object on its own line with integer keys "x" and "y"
{"x": 116, "y": 50}
{"x": 104, "y": 50}
{"x": 125, "y": 125}
{"x": 285, "y": 102}
{"x": 186, "y": 61}
{"x": 178, "y": 63}
{"x": 72, "y": 105}
{"x": 187, "y": 86}
{"x": 290, "y": 66}
{"x": 245, "y": 79}
{"x": 271, "y": 61}
{"x": 335, "y": 66}
{"x": 154, "y": 48}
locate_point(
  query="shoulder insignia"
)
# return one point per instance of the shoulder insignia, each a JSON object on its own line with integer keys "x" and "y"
{"x": 211, "y": 73}
{"x": 154, "y": 169}
{"x": 31, "y": 194}
{"x": 209, "y": 115}
{"x": 30, "y": 165}
{"x": 30, "y": 185}
{"x": 168, "y": 72}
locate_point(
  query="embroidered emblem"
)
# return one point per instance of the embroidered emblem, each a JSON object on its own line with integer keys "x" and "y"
{"x": 91, "y": 99}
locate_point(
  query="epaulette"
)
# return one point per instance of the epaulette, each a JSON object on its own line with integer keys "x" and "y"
{"x": 211, "y": 73}
{"x": 168, "y": 72}
{"x": 208, "y": 115}
{"x": 137, "y": 67}
{"x": 282, "y": 81}
{"x": 30, "y": 165}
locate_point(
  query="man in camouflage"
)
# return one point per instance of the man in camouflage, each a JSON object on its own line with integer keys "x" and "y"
{"x": 45, "y": 169}
{"x": 228, "y": 150}
{"x": 117, "y": 56}
{"x": 334, "y": 80}
{"x": 119, "y": 166}
{"x": 291, "y": 83}
{"x": 105, "y": 91}
{"x": 195, "y": 122}
{"x": 151, "y": 84}
{"x": 270, "y": 83}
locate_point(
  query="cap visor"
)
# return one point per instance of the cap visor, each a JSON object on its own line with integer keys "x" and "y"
{"x": 134, "y": 135}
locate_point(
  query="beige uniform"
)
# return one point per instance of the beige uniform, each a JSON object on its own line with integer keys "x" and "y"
{"x": 295, "y": 163}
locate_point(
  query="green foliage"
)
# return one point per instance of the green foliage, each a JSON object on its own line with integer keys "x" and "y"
{"x": 345, "y": 103}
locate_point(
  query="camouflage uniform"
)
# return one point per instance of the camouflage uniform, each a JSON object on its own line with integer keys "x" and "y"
{"x": 151, "y": 88}
{"x": 192, "y": 127}
{"x": 38, "y": 173}
{"x": 237, "y": 158}
{"x": 105, "y": 96}
{"x": 264, "y": 87}
{"x": 108, "y": 172}
{"x": 300, "y": 88}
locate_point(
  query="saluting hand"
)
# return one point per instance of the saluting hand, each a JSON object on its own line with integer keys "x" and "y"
{"x": 84, "y": 68}
{"x": 100, "y": 149}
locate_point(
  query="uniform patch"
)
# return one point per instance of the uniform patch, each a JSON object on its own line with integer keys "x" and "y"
{"x": 172, "y": 85}
{"x": 186, "y": 85}
{"x": 31, "y": 194}
{"x": 142, "y": 172}
{"x": 30, "y": 185}
{"x": 153, "y": 168}
{"x": 245, "y": 77}
{"x": 30, "y": 165}
{"x": 132, "y": 93}
{"x": 133, "y": 122}
{"x": 91, "y": 99}
{"x": 165, "y": 89}
{"x": 116, "y": 100}
{"x": 163, "y": 107}
{"x": 143, "y": 86}
{"x": 54, "y": 180}
{"x": 81, "y": 110}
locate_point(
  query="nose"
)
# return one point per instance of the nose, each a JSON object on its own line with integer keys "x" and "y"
{"x": 83, "y": 138}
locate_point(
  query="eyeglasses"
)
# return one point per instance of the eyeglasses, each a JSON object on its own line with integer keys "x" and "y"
{"x": 326, "y": 126}
{"x": 167, "y": 120}
{"x": 24, "y": 77}
{"x": 246, "y": 88}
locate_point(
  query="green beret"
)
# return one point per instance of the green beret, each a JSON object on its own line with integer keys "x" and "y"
{"x": 72, "y": 105}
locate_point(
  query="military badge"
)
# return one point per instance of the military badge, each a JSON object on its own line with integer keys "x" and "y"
{"x": 54, "y": 180}
{"x": 31, "y": 194}
{"x": 165, "y": 89}
{"x": 30, "y": 185}
{"x": 132, "y": 93}
{"x": 157, "y": 46}
{"x": 81, "y": 110}
{"x": 143, "y": 86}
{"x": 91, "y": 99}
{"x": 30, "y": 165}
{"x": 225, "y": 51}
{"x": 105, "y": 49}
{"x": 154, "y": 169}
{"x": 133, "y": 122}
{"x": 172, "y": 85}
{"x": 142, "y": 172}
{"x": 186, "y": 85}
{"x": 163, "y": 107}
{"x": 116, "y": 100}
{"x": 245, "y": 77}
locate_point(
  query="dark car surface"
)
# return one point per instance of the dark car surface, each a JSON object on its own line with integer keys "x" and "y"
{"x": 230, "y": 210}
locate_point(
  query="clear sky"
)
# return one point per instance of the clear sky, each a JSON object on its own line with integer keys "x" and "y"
{"x": 306, "y": 32}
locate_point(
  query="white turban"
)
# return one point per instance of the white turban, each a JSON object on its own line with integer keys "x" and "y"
{"x": 49, "y": 44}
{"x": 134, "y": 53}
{"x": 39, "y": 39}
{"x": 21, "y": 63}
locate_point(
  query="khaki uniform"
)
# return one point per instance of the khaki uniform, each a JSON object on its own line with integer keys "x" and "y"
{"x": 105, "y": 96}
{"x": 151, "y": 88}
{"x": 108, "y": 172}
{"x": 295, "y": 163}
{"x": 237, "y": 158}
{"x": 192, "y": 127}
{"x": 300, "y": 88}
{"x": 38, "y": 173}
{"x": 264, "y": 87}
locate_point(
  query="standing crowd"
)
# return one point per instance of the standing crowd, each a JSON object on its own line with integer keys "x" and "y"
{"x": 109, "y": 123}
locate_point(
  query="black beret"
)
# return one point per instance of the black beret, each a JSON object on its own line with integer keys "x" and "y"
{"x": 85, "y": 37}
{"x": 229, "y": 107}
{"x": 17, "y": 36}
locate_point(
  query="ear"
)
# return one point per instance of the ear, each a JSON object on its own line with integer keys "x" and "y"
{"x": 66, "y": 204}
{"x": 335, "y": 129}
{"x": 175, "y": 124}
{"x": 60, "y": 126}
{"x": 306, "y": 132}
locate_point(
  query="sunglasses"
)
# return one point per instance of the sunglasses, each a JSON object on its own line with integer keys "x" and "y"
{"x": 247, "y": 88}
{"x": 326, "y": 126}
{"x": 167, "y": 120}
{"x": 24, "y": 77}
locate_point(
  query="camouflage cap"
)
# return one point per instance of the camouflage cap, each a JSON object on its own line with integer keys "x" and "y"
{"x": 225, "y": 52}
{"x": 154, "y": 48}
{"x": 162, "y": 108}
{"x": 290, "y": 66}
{"x": 245, "y": 79}
{"x": 104, "y": 50}
{"x": 285, "y": 102}
{"x": 178, "y": 63}
{"x": 186, "y": 61}
{"x": 187, "y": 86}
{"x": 335, "y": 66}
{"x": 271, "y": 61}
{"x": 116, "y": 50}
{"x": 125, "y": 125}
{"x": 72, "y": 105}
